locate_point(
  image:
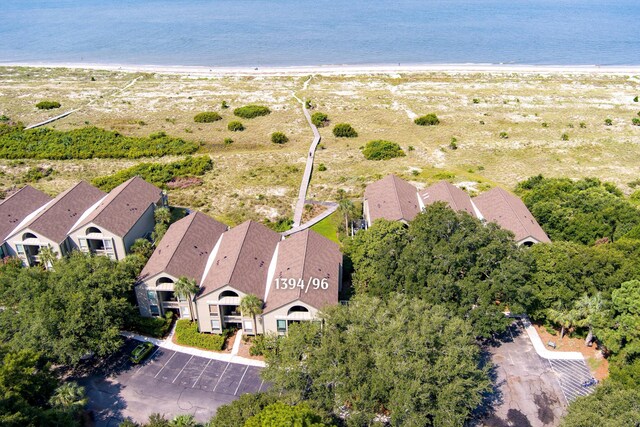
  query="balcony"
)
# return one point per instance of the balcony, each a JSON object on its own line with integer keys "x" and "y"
{"x": 232, "y": 319}
{"x": 170, "y": 304}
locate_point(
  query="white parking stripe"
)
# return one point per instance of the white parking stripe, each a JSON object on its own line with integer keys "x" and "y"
{"x": 243, "y": 374}
{"x": 261, "y": 384}
{"x": 174, "y": 353}
{"x": 185, "y": 365}
{"x": 199, "y": 376}
{"x": 220, "y": 377}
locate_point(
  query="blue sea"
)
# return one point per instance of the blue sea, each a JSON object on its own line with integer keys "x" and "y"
{"x": 320, "y": 32}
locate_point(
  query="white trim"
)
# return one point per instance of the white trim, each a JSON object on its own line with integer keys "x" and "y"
{"x": 86, "y": 213}
{"x": 420, "y": 201}
{"x": 272, "y": 271}
{"x": 28, "y": 219}
{"x": 477, "y": 211}
{"x": 212, "y": 257}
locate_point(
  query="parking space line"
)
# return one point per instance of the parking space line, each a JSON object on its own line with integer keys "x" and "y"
{"x": 174, "y": 353}
{"x": 202, "y": 372}
{"x": 221, "y": 375}
{"x": 185, "y": 365}
{"x": 243, "y": 374}
{"x": 261, "y": 384}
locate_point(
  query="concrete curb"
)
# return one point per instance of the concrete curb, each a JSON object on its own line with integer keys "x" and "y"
{"x": 169, "y": 345}
{"x": 540, "y": 348}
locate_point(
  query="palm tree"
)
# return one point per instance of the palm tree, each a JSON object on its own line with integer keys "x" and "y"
{"x": 185, "y": 420}
{"x": 47, "y": 256}
{"x": 587, "y": 310}
{"x": 251, "y": 305}
{"x": 69, "y": 395}
{"x": 186, "y": 288}
{"x": 563, "y": 317}
{"x": 345, "y": 206}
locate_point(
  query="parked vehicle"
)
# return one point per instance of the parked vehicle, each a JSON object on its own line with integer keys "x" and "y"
{"x": 141, "y": 352}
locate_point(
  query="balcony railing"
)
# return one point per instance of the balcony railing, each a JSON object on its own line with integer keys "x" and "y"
{"x": 232, "y": 319}
{"x": 170, "y": 304}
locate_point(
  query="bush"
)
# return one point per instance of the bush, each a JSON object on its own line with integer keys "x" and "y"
{"x": 635, "y": 99}
{"x": 156, "y": 327}
{"x": 36, "y": 174}
{"x": 235, "y": 126}
{"x": 158, "y": 174}
{"x": 382, "y": 150}
{"x": 635, "y": 121}
{"x": 319, "y": 119}
{"x": 4, "y": 118}
{"x": 322, "y": 167}
{"x": 228, "y": 141}
{"x": 207, "y": 117}
{"x": 280, "y": 225}
{"x": 564, "y": 137}
{"x": 251, "y": 111}
{"x": 47, "y": 105}
{"x": 344, "y": 130}
{"x": 608, "y": 122}
{"x": 427, "y": 120}
{"x": 504, "y": 135}
{"x": 224, "y": 105}
{"x": 187, "y": 334}
{"x": 86, "y": 143}
{"x": 279, "y": 138}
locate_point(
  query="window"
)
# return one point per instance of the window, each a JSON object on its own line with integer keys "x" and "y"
{"x": 20, "y": 249}
{"x": 282, "y": 326}
{"x": 215, "y": 324}
{"x": 107, "y": 244}
{"x": 155, "y": 311}
{"x": 213, "y": 310}
{"x": 184, "y": 312}
{"x": 248, "y": 326}
{"x": 153, "y": 297}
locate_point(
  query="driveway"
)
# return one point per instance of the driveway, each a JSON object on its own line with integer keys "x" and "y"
{"x": 528, "y": 393}
{"x": 167, "y": 382}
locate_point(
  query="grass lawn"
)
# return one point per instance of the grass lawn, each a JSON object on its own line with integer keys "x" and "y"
{"x": 328, "y": 227}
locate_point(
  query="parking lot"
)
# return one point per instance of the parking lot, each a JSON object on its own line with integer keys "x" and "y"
{"x": 168, "y": 382}
{"x": 572, "y": 375}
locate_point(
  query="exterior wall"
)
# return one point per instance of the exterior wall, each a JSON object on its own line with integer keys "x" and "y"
{"x": 202, "y": 309}
{"x": 16, "y": 239}
{"x": 365, "y": 211}
{"x": 528, "y": 241}
{"x": 147, "y": 294}
{"x": 118, "y": 251}
{"x": 270, "y": 319}
{"x": 143, "y": 226}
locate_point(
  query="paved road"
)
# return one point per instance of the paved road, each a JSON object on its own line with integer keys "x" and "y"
{"x": 168, "y": 382}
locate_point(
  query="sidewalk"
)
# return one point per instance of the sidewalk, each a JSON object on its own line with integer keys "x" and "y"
{"x": 542, "y": 350}
{"x": 225, "y": 357}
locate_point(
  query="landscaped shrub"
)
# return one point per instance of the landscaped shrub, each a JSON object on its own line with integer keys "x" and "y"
{"x": 47, "y": 105}
{"x": 427, "y": 120}
{"x": 279, "y": 138}
{"x": 235, "y": 126}
{"x": 157, "y": 173}
{"x": 86, "y": 143}
{"x": 156, "y": 327}
{"x": 187, "y": 334}
{"x": 344, "y": 130}
{"x": 251, "y": 111}
{"x": 382, "y": 150}
{"x": 207, "y": 117}
{"x": 319, "y": 119}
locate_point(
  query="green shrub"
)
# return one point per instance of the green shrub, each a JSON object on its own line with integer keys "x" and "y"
{"x": 47, "y": 105}
{"x": 280, "y": 225}
{"x": 608, "y": 122}
{"x": 279, "y": 138}
{"x": 235, "y": 126}
{"x": 427, "y": 120}
{"x": 36, "y": 174}
{"x": 476, "y": 101}
{"x": 504, "y": 135}
{"x": 251, "y": 111}
{"x": 86, "y": 143}
{"x": 545, "y": 125}
{"x": 635, "y": 99}
{"x": 319, "y": 119}
{"x": 207, "y": 117}
{"x": 158, "y": 174}
{"x": 187, "y": 334}
{"x": 344, "y": 130}
{"x": 564, "y": 137}
{"x": 156, "y": 327}
{"x": 583, "y": 125}
{"x": 322, "y": 167}
{"x": 224, "y": 105}
{"x": 228, "y": 141}
{"x": 635, "y": 121}
{"x": 4, "y": 118}
{"x": 382, "y": 150}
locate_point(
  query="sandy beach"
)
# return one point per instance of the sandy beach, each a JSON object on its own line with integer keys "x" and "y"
{"x": 364, "y": 69}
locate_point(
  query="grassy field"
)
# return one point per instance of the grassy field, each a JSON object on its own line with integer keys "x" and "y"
{"x": 253, "y": 178}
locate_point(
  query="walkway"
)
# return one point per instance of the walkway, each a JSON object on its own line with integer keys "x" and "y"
{"x": 306, "y": 178}
{"x": 170, "y": 345}
{"x": 542, "y": 350}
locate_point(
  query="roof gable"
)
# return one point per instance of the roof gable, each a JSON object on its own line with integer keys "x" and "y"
{"x": 15, "y": 208}
{"x": 392, "y": 198}
{"x": 443, "y": 191}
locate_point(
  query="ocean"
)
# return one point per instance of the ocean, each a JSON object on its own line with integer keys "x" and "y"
{"x": 258, "y": 33}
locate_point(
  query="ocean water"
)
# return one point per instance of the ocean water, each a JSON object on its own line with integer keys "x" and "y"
{"x": 320, "y": 32}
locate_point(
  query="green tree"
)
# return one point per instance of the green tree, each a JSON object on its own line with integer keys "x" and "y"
{"x": 562, "y": 316}
{"x": 251, "y": 305}
{"x": 163, "y": 219}
{"x": 279, "y": 138}
{"x": 47, "y": 256}
{"x": 589, "y": 311}
{"x": 186, "y": 288}
{"x": 186, "y": 420}
{"x": 622, "y": 337}
{"x": 431, "y": 355}
{"x": 282, "y": 415}
{"x": 239, "y": 411}
{"x": 610, "y": 406}
{"x": 142, "y": 248}
{"x": 70, "y": 396}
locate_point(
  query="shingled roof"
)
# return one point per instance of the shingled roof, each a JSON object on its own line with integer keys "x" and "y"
{"x": 59, "y": 215}
{"x": 15, "y": 208}
{"x": 306, "y": 256}
{"x": 443, "y": 191}
{"x": 185, "y": 247}
{"x": 123, "y": 206}
{"x": 242, "y": 259}
{"x": 392, "y": 198}
{"x": 502, "y": 207}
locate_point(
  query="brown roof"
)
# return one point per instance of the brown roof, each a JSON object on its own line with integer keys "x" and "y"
{"x": 55, "y": 220}
{"x": 392, "y": 198}
{"x": 308, "y": 256}
{"x": 242, "y": 260}
{"x": 123, "y": 207}
{"x": 443, "y": 191}
{"x": 502, "y": 207}
{"x": 185, "y": 247}
{"x": 15, "y": 208}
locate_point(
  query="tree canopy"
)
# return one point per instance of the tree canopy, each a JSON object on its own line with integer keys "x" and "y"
{"x": 346, "y": 365}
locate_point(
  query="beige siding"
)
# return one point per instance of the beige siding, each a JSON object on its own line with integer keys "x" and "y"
{"x": 40, "y": 240}
{"x": 118, "y": 251}
{"x": 271, "y": 319}
{"x": 143, "y": 226}
{"x": 213, "y": 298}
